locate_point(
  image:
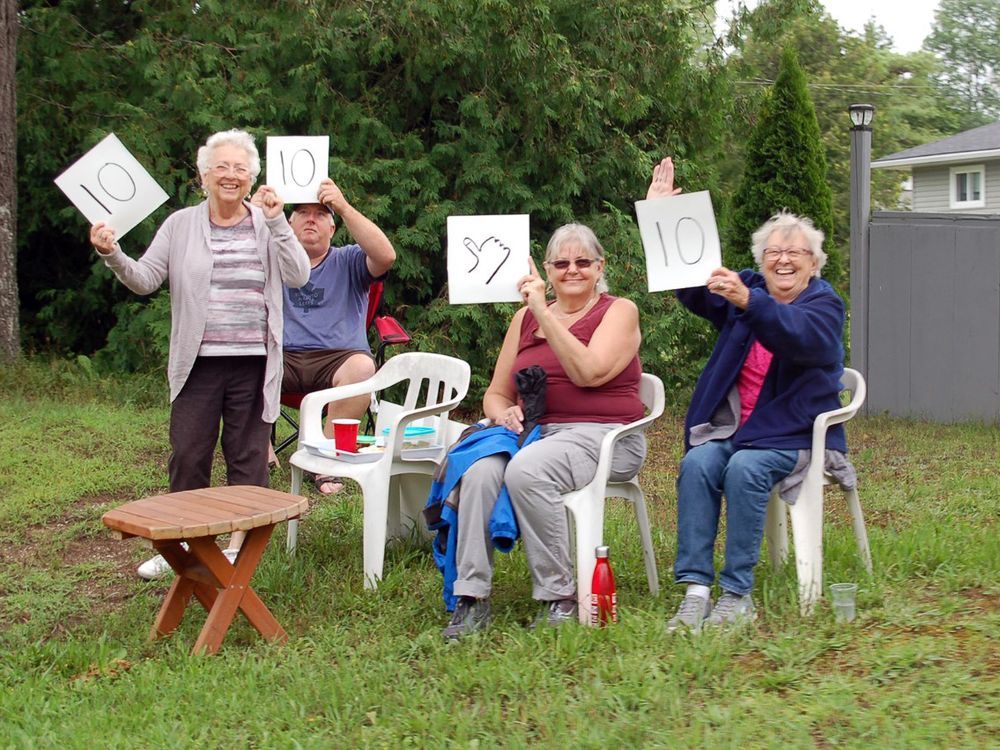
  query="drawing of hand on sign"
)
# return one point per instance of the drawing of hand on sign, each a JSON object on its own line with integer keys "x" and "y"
{"x": 489, "y": 256}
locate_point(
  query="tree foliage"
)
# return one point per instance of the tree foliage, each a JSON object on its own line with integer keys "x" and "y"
{"x": 785, "y": 169}
{"x": 433, "y": 107}
{"x": 966, "y": 38}
{"x": 841, "y": 67}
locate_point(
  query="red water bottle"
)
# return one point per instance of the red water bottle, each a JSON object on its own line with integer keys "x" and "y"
{"x": 603, "y": 597}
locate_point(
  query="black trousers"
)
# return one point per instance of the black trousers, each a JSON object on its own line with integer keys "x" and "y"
{"x": 226, "y": 389}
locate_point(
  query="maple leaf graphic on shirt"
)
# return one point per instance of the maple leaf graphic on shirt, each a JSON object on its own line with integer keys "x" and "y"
{"x": 307, "y": 297}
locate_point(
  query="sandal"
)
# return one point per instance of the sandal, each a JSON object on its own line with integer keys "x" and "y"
{"x": 321, "y": 481}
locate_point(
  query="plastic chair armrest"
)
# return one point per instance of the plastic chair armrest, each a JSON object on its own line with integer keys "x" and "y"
{"x": 394, "y": 444}
{"x": 311, "y": 408}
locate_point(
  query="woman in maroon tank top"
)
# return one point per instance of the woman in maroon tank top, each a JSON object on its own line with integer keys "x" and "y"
{"x": 587, "y": 341}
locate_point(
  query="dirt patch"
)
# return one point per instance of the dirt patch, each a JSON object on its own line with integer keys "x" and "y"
{"x": 78, "y": 539}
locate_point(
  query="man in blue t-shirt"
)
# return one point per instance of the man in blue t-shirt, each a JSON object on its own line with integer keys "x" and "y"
{"x": 325, "y": 339}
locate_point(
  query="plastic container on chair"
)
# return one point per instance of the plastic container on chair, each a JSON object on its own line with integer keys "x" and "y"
{"x": 603, "y": 596}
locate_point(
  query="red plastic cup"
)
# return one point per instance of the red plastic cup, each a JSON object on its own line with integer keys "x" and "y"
{"x": 345, "y": 434}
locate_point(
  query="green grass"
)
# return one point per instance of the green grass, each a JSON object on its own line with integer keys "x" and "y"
{"x": 918, "y": 668}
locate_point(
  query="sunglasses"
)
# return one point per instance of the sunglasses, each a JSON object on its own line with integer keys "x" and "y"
{"x": 562, "y": 264}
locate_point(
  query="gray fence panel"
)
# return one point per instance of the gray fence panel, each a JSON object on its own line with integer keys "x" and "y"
{"x": 934, "y": 316}
{"x": 889, "y": 320}
{"x": 976, "y": 363}
{"x": 933, "y": 324}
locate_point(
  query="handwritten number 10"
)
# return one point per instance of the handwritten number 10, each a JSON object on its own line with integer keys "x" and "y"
{"x": 291, "y": 167}
{"x": 124, "y": 189}
{"x": 694, "y": 227}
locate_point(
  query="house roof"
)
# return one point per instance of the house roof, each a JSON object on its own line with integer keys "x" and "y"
{"x": 971, "y": 145}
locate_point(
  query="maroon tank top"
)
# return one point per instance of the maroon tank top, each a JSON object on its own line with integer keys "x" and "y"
{"x": 617, "y": 401}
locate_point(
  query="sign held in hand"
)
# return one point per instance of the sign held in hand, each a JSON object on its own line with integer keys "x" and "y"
{"x": 296, "y": 164}
{"x": 681, "y": 240}
{"x": 109, "y": 184}
{"x": 486, "y": 257}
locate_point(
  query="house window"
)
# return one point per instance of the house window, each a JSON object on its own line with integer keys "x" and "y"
{"x": 968, "y": 187}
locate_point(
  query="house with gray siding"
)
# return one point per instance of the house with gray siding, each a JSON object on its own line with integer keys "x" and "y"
{"x": 958, "y": 174}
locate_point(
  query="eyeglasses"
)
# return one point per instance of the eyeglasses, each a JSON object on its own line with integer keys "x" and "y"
{"x": 223, "y": 168}
{"x": 794, "y": 253}
{"x": 562, "y": 264}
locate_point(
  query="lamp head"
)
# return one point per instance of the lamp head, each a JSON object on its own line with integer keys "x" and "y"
{"x": 861, "y": 116}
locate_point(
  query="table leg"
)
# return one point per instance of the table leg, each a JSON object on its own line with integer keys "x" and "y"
{"x": 235, "y": 591}
{"x": 172, "y": 610}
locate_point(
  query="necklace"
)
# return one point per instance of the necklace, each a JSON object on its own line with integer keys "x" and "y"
{"x": 564, "y": 316}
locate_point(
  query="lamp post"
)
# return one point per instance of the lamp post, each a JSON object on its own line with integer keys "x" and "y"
{"x": 861, "y": 195}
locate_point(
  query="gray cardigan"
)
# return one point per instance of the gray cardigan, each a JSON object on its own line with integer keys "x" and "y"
{"x": 180, "y": 252}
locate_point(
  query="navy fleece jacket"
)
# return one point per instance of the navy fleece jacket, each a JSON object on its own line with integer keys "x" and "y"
{"x": 806, "y": 339}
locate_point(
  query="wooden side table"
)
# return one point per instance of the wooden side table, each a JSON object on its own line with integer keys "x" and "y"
{"x": 194, "y": 519}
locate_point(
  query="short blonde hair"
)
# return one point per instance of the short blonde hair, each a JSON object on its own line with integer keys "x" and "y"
{"x": 786, "y": 224}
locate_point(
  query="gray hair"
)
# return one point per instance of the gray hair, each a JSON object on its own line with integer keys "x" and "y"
{"x": 787, "y": 224}
{"x": 239, "y": 139}
{"x": 581, "y": 235}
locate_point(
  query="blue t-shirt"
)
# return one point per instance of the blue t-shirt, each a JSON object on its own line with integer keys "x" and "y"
{"x": 329, "y": 311}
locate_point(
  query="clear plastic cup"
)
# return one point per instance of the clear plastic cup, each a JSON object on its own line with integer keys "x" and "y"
{"x": 843, "y": 596}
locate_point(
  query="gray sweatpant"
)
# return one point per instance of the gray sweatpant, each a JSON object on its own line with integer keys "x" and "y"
{"x": 563, "y": 459}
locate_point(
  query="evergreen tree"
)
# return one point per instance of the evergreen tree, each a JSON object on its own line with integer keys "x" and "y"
{"x": 785, "y": 169}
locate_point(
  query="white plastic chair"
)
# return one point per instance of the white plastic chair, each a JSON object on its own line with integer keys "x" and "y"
{"x": 807, "y": 512}
{"x": 586, "y": 505}
{"x": 394, "y": 488}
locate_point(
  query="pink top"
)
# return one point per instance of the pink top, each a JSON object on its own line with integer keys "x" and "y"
{"x": 752, "y": 379}
{"x": 615, "y": 402}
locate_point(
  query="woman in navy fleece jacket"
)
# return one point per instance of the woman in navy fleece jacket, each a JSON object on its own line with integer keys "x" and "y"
{"x": 776, "y": 365}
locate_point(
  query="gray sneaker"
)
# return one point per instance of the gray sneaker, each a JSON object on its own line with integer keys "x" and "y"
{"x": 691, "y": 614}
{"x": 556, "y": 613}
{"x": 471, "y": 615}
{"x": 732, "y": 610}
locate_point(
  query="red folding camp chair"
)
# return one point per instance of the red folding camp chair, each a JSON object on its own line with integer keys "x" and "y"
{"x": 387, "y": 331}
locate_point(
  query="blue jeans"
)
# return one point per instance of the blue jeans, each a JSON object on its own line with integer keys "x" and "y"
{"x": 745, "y": 477}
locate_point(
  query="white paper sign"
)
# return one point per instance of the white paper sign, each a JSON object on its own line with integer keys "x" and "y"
{"x": 486, "y": 257}
{"x": 296, "y": 164}
{"x": 681, "y": 240}
{"x": 109, "y": 184}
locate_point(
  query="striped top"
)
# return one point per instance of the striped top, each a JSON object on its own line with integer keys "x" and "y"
{"x": 237, "y": 319}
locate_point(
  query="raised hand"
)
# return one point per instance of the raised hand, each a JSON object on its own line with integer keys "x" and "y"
{"x": 532, "y": 289}
{"x": 728, "y": 284}
{"x": 662, "y": 184}
{"x": 268, "y": 200}
{"x": 102, "y": 237}
{"x": 329, "y": 194}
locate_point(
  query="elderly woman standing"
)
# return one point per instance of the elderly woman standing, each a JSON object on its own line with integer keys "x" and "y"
{"x": 776, "y": 366}
{"x": 587, "y": 342}
{"x": 225, "y": 260}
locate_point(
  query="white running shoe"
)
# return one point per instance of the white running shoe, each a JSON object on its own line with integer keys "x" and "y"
{"x": 154, "y": 567}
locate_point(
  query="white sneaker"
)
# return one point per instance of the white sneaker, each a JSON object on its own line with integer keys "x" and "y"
{"x": 154, "y": 567}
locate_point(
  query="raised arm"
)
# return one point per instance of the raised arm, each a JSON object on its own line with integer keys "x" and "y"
{"x": 376, "y": 246}
{"x": 662, "y": 183}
